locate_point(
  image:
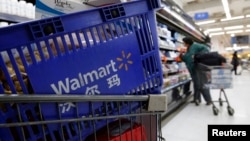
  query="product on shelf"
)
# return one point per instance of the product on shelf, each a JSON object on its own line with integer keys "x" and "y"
{"x": 182, "y": 77}
{"x": 159, "y": 31}
{"x": 165, "y": 38}
{"x": 174, "y": 79}
{"x": 163, "y": 56}
{"x": 165, "y": 70}
{"x": 3, "y": 24}
{"x": 166, "y": 82}
{"x": 17, "y": 8}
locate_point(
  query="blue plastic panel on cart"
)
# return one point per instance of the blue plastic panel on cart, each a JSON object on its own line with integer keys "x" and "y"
{"x": 105, "y": 69}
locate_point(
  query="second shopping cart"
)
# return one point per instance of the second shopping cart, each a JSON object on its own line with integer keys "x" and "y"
{"x": 216, "y": 77}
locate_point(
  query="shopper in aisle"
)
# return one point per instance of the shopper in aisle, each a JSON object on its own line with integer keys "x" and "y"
{"x": 192, "y": 49}
{"x": 235, "y": 62}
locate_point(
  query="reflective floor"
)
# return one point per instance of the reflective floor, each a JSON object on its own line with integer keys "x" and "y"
{"x": 190, "y": 123}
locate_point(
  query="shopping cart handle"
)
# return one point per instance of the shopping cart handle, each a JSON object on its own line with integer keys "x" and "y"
{"x": 206, "y": 67}
{"x": 6, "y": 98}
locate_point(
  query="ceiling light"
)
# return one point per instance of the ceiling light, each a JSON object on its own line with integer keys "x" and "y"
{"x": 236, "y": 48}
{"x": 247, "y": 30}
{"x": 218, "y": 33}
{"x": 233, "y": 18}
{"x": 234, "y": 27}
{"x": 226, "y": 8}
{"x": 247, "y": 16}
{"x": 206, "y": 33}
{"x": 232, "y": 48}
{"x": 229, "y": 48}
{"x": 205, "y": 22}
{"x": 235, "y": 31}
{"x": 244, "y": 47}
{"x": 213, "y": 29}
{"x": 232, "y": 35}
{"x": 248, "y": 25}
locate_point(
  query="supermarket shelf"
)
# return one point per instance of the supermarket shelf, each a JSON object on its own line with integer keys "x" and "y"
{"x": 166, "y": 37}
{"x": 179, "y": 100}
{"x": 172, "y": 39}
{"x": 172, "y": 73}
{"x": 175, "y": 105}
{"x": 177, "y": 26}
{"x": 171, "y": 59}
{"x": 167, "y": 48}
{"x": 13, "y": 18}
{"x": 164, "y": 90}
{"x": 178, "y": 41}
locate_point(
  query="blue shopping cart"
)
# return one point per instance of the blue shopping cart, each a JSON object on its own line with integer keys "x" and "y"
{"x": 111, "y": 50}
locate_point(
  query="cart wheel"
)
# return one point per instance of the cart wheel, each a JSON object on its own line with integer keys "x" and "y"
{"x": 220, "y": 101}
{"x": 230, "y": 110}
{"x": 215, "y": 110}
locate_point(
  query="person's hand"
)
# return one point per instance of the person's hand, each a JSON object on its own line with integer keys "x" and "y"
{"x": 178, "y": 59}
{"x": 181, "y": 50}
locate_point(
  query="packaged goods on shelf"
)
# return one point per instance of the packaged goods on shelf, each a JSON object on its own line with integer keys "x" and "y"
{"x": 165, "y": 70}
{"x": 165, "y": 31}
{"x": 172, "y": 54}
{"x": 163, "y": 57}
{"x": 14, "y": 8}
{"x": 166, "y": 82}
{"x": 49, "y": 8}
{"x": 159, "y": 30}
{"x": 182, "y": 66}
{"x": 182, "y": 77}
{"x": 3, "y": 24}
{"x": 162, "y": 42}
{"x": 173, "y": 68}
{"x": 174, "y": 79}
{"x": 171, "y": 44}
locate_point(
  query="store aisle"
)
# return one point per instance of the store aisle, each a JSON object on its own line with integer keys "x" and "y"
{"x": 190, "y": 123}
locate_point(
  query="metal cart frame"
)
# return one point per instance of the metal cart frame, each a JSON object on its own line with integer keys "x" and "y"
{"x": 151, "y": 120}
{"x": 216, "y": 77}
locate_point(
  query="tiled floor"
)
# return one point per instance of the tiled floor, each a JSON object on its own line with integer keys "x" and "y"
{"x": 190, "y": 123}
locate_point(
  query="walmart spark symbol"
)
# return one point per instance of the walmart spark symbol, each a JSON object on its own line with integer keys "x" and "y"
{"x": 124, "y": 60}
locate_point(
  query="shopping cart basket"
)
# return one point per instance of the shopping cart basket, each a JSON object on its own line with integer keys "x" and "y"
{"x": 108, "y": 50}
{"x": 143, "y": 124}
{"x": 216, "y": 77}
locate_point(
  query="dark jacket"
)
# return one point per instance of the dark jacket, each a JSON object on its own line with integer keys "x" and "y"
{"x": 235, "y": 60}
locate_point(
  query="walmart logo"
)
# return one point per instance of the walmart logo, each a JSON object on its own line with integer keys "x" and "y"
{"x": 124, "y": 61}
{"x": 70, "y": 84}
